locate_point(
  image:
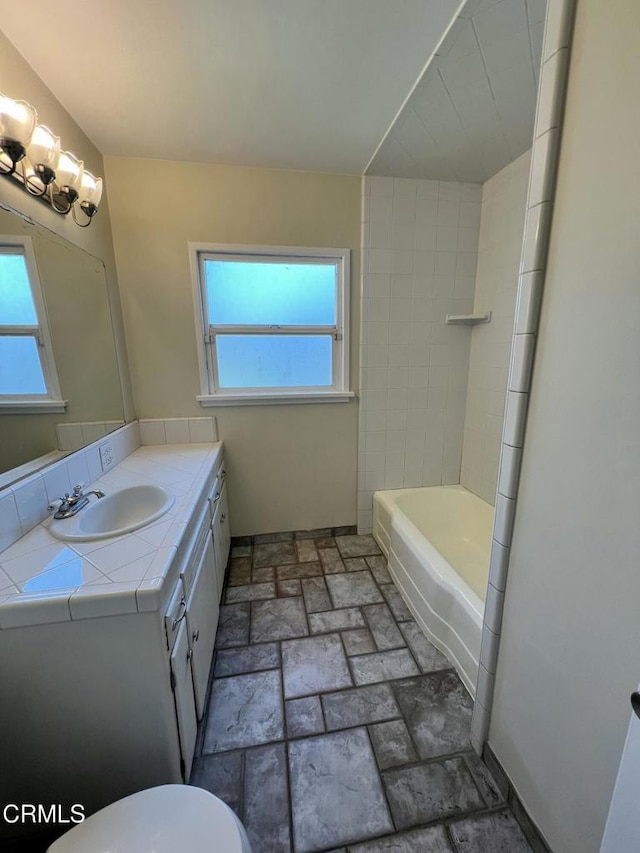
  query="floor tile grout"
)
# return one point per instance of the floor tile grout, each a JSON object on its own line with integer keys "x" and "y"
{"x": 355, "y": 713}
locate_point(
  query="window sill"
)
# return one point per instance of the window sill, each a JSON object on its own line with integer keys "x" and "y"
{"x": 16, "y": 406}
{"x": 276, "y": 398}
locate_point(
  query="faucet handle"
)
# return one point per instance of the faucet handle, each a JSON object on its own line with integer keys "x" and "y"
{"x": 54, "y": 506}
{"x": 78, "y": 489}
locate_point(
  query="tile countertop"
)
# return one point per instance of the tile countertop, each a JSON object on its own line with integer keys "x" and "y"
{"x": 44, "y": 580}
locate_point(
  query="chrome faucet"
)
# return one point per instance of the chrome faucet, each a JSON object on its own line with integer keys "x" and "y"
{"x": 71, "y": 504}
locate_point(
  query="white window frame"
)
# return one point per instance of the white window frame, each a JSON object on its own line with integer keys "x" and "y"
{"x": 211, "y": 394}
{"x": 52, "y": 401}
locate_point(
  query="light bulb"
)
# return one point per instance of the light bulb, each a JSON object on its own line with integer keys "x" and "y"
{"x": 17, "y": 120}
{"x": 44, "y": 148}
{"x": 69, "y": 171}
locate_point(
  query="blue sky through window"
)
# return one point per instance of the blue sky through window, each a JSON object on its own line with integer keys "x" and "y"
{"x": 274, "y": 361}
{"x": 261, "y": 293}
{"x": 20, "y": 367}
{"x": 16, "y": 302}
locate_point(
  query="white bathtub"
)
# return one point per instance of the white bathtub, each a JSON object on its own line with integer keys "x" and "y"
{"x": 437, "y": 540}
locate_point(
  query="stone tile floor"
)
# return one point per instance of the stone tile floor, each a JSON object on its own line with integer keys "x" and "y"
{"x": 333, "y": 723}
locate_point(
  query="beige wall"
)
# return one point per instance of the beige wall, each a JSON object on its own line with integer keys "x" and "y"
{"x": 501, "y": 225}
{"x": 290, "y": 466}
{"x": 571, "y": 635}
{"x": 19, "y": 81}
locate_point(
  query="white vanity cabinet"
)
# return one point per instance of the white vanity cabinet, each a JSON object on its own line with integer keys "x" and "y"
{"x": 98, "y": 707}
{"x": 220, "y": 528}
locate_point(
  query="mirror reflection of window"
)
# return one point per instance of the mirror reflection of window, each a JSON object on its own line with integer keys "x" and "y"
{"x": 27, "y": 368}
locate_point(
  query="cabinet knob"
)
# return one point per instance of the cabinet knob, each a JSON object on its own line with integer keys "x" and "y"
{"x": 196, "y": 635}
{"x": 189, "y": 654}
{"x": 222, "y": 518}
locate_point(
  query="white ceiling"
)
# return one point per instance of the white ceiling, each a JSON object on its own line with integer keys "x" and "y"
{"x": 472, "y": 112}
{"x": 293, "y": 84}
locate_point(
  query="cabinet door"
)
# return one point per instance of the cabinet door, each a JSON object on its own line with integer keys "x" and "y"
{"x": 202, "y": 621}
{"x": 225, "y": 528}
{"x": 182, "y": 684}
{"x": 221, "y": 537}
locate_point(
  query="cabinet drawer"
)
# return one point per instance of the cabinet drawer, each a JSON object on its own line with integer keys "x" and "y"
{"x": 190, "y": 564}
{"x": 215, "y": 495}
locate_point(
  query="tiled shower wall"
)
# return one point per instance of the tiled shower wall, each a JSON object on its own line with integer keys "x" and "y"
{"x": 420, "y": 242}
{"x": 501, "y": 227}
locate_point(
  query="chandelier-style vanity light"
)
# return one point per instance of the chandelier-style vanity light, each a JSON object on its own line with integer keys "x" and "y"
{"x": 30, "y": 153}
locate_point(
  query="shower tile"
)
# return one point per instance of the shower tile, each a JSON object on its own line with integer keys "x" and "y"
{"x": 521, "y": 362}
{"x": 514, "y": 419}
{"x": 509, "y": 474}
{"x": 493, "y": 609}
{"x": 503, "y": 524}
{"x": 437, "y": 710}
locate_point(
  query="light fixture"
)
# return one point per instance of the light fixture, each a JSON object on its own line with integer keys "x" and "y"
{"x": 43, "y": 154}
{"x": 89, "y": 197}
{"x": 30, "y": 153}
{"x": 17, "y": 121}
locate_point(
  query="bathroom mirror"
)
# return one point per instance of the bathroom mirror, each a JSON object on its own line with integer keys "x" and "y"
{"x": 76, "y": 303}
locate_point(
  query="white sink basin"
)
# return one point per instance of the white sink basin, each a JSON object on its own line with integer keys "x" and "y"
{"x": 118, "y": 513}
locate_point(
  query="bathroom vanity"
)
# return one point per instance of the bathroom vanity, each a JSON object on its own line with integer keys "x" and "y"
{"x": 106, "y": 645}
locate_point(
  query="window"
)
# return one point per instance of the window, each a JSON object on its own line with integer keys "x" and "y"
{"x": 271, "y": 323}
{"x": 28, "y": 377}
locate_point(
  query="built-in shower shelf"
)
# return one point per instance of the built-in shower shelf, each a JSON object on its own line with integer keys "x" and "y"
{"x": 467, "y": 319}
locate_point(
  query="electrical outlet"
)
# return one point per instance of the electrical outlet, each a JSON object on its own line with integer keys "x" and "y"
{"x": 107, "y": 456}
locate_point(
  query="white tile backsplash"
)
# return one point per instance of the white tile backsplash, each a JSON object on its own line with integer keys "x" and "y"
{"x": 10, "y": 530}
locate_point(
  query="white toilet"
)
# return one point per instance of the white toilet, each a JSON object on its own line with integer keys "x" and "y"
{"x": 165, "y": 819}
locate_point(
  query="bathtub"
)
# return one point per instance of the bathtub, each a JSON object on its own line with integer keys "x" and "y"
{"x": 437, "y": 540}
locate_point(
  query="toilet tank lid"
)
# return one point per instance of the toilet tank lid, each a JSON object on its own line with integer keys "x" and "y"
{"x": 159, "y": 820}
